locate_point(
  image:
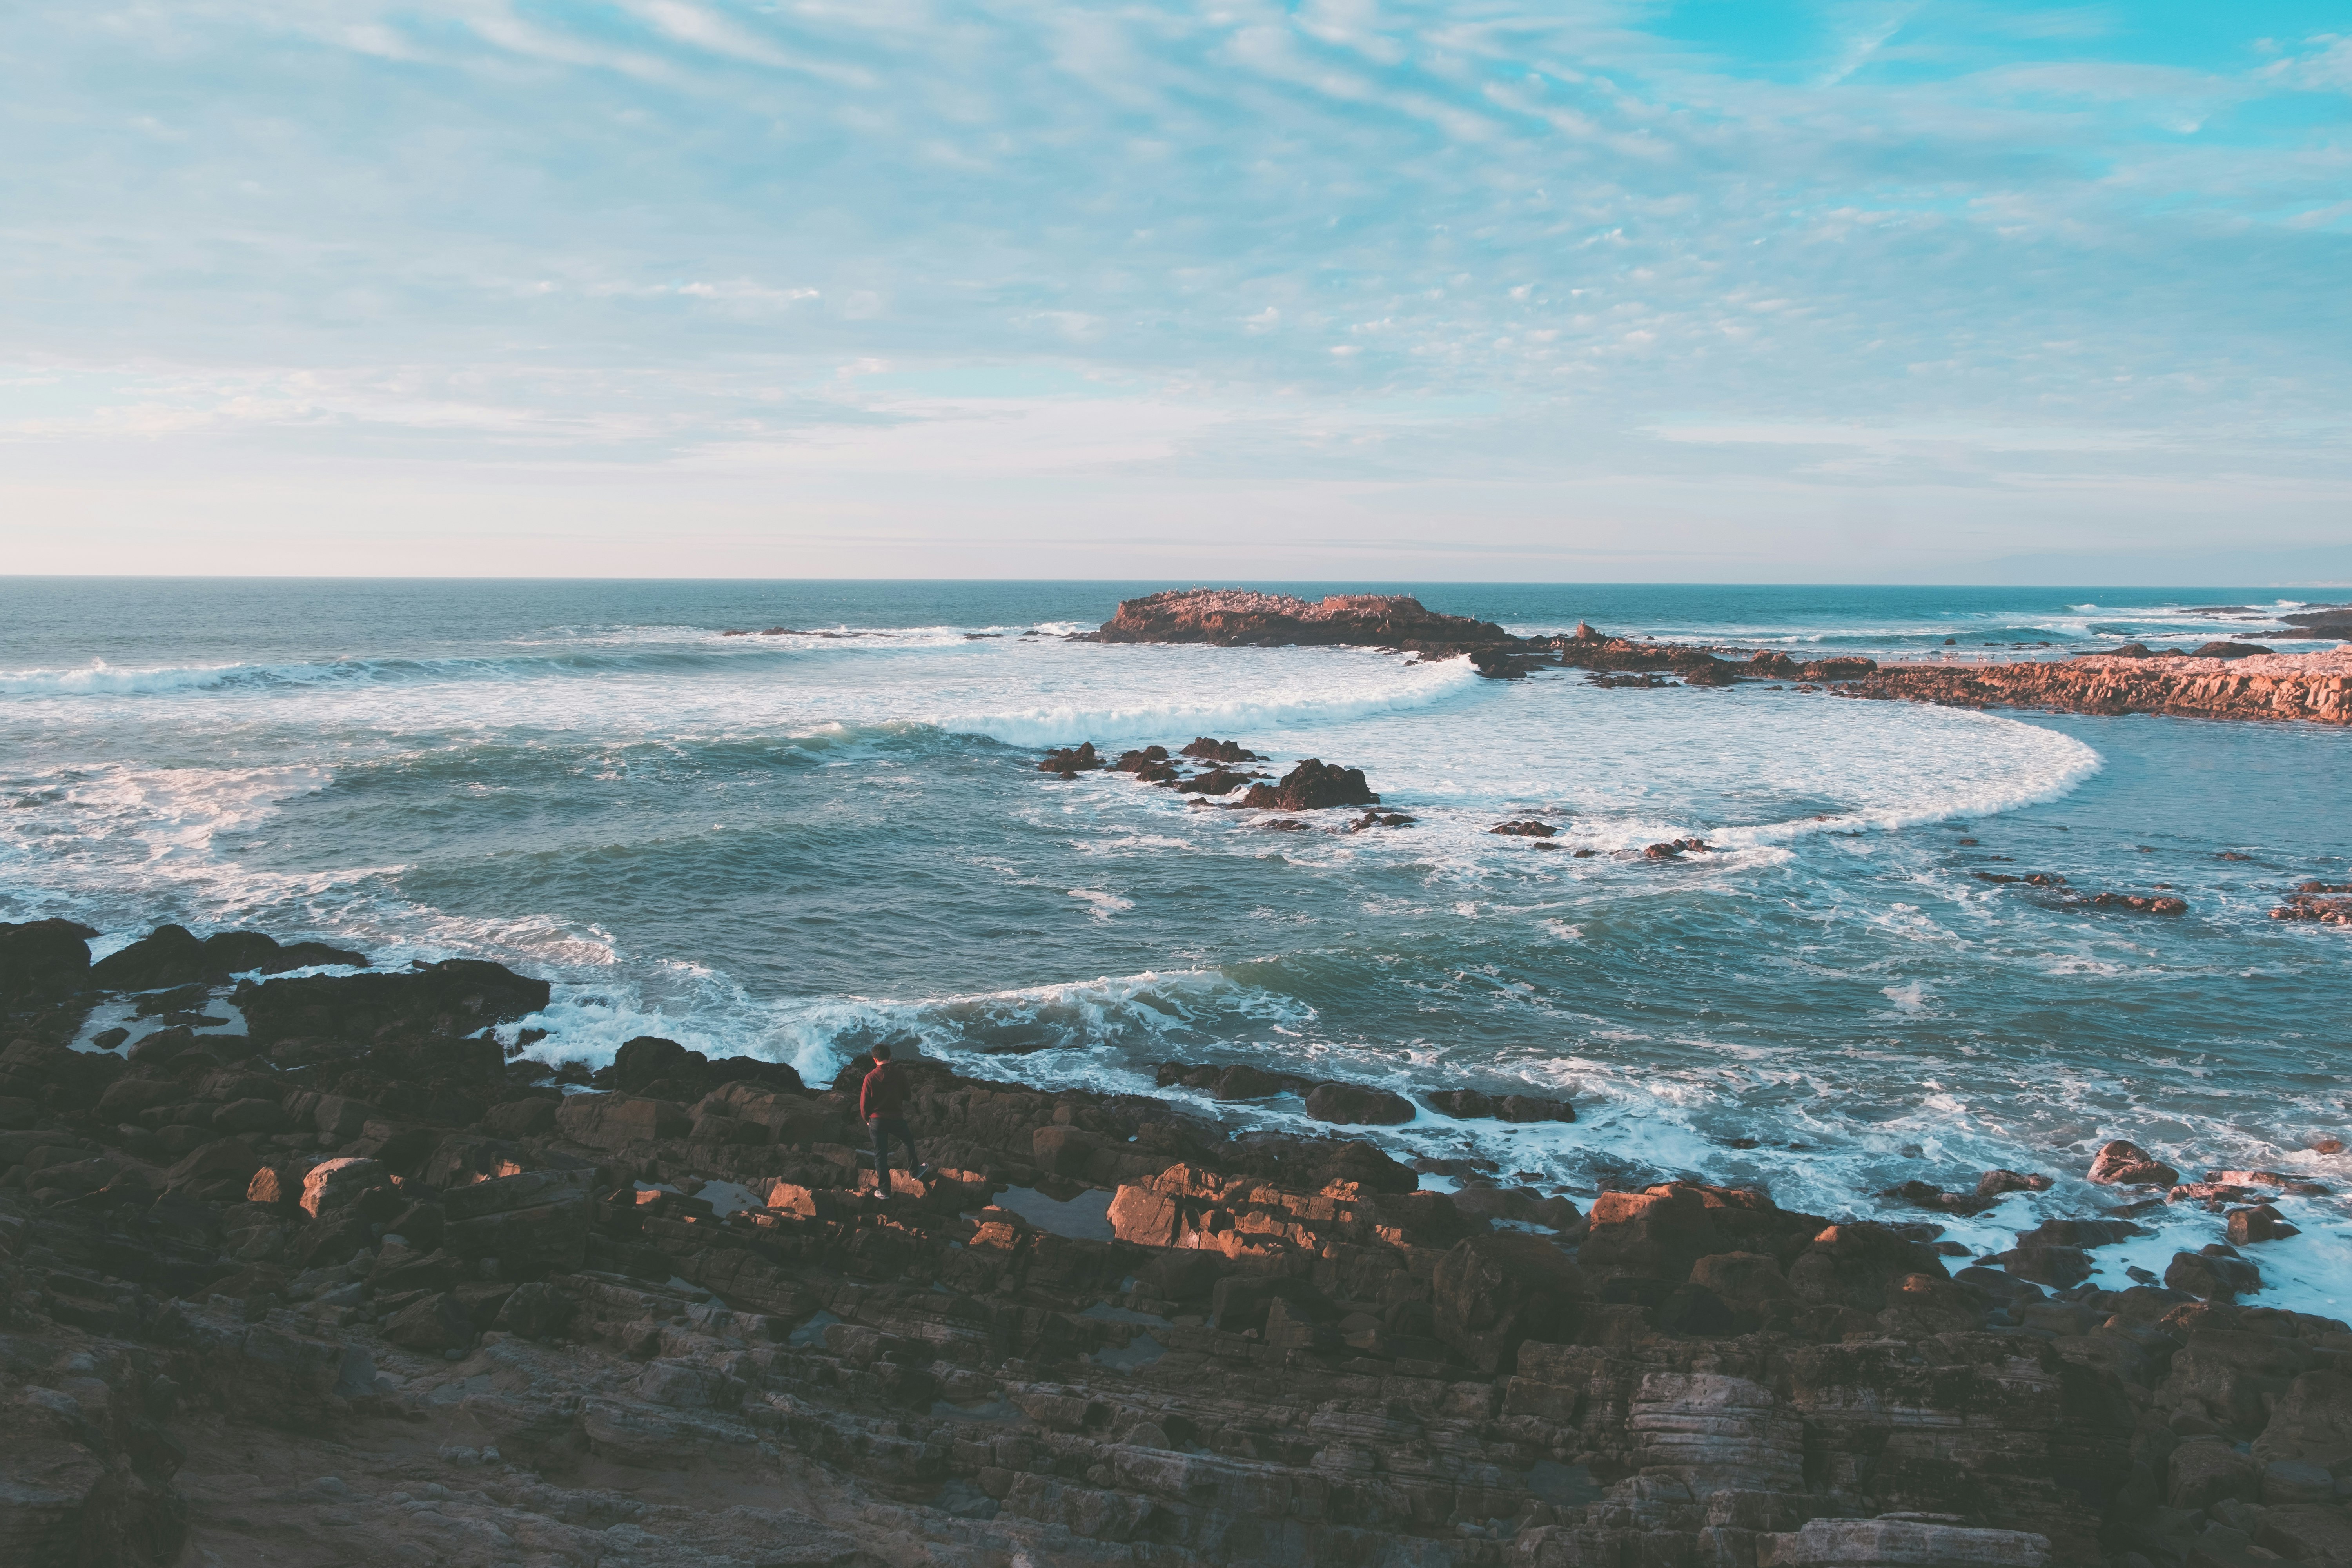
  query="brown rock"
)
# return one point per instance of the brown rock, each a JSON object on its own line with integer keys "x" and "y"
{"x": 334, "y": 1184}
{"x": 1492, "y": 1293}
{"x": 2261, "y": 1223}
{"x": 2125, "y": 1164}
{"x": 1993, "y": 1184}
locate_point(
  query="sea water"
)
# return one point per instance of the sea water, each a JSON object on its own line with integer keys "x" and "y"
{"x": 796, "y": 845}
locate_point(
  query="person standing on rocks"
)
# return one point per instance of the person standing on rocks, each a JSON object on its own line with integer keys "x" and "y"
{"x": 882, "y": 1101}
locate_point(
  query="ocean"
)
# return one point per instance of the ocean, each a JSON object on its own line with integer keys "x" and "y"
{"x": 792, "y": 846}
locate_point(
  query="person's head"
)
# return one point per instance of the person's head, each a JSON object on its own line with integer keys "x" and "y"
{"x": 882, "y": 1053}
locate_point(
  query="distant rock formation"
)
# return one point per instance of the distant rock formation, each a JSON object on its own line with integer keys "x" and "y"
{"x": 2314, "y": 687}
{"x": 1240, "y": 617}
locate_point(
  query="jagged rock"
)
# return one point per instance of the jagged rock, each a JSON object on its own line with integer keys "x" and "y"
{"x": 1313, "y": 785}
{"x": 2207, "y": 1278}
{"x": 2261, "y": 1223}
{"x": 1492, "y": 1293}
{"x": 333, "y": 1184}
{"x": 2125, "y": 1164}
{"x": 1993, "y": 1184}
{"x": 1525, "y": 829}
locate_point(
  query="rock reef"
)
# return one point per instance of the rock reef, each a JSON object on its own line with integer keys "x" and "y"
{"x": 368, "y": 1286}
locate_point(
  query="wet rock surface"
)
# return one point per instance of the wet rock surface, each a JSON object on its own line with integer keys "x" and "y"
{"x": 401, "y": 1301}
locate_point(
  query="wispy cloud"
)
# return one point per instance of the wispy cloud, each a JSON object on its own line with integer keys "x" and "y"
{"x": 654, "y": 231}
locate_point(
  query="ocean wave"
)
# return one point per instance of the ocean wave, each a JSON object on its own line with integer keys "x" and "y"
{"x": 1300, "y": 702}
{"x": 1141, "y": 1015}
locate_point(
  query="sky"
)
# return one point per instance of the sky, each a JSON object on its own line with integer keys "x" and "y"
{"x": 1942, "y": 290}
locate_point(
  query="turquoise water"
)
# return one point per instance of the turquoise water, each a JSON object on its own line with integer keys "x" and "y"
{"x": 794, "y": 845}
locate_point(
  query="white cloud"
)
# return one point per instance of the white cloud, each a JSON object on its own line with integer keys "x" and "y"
{"x": 543, "y": 229}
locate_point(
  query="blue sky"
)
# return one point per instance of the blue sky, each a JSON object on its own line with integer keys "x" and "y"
{"x": 1719, "y": 291}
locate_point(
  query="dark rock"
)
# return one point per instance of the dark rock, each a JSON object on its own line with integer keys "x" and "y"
{"x": 2125, "y": 1164}
{"x": 2144, "y": 904}
{"x": 1216, "y": 750}
{"x": 2231, "y": 651}
{"x": 169, "y": 956}
{"x": 218, "y": 1172}
{"x": 1379, "y": 819}
{"x": 535, "y": 1310}
{"x": 1356, "y": 1102}
{"x": 1240, "y": 1303}
{"x": 1077, "y": 758}
{"x": 1993, "y": 1184}
{"x": 1492, "y": 1293}
{"x": 1243, "y": 1081}
{"x": 1530, "y": 1108}
{"x": 1464, "y": 1104}
{"x": 1216, "y": 781}
{"x": 456, "y": 997}
{"x": 439, "y": 1322}
{"x": 2060, "y": 1266}
{"x": 1926, "y": 1195}
{"x": 2211, "y": 1277}
{"x": 2260, "y": 1222}
{"x": 1525, "y": 829}
{"x": 43, "y": 961}
{"x": 1313, "y": 785}
{"x": 533, "y": 1117}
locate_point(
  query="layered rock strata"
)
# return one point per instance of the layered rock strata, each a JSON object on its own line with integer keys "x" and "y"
{"x": 386, "y": 1293}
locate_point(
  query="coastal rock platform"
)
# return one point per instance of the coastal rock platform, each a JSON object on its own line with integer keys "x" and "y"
{"x": 389, "y": 1292}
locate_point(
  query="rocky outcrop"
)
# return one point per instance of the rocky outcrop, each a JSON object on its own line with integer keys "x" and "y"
{"x": 1239, "y": 617}
{"x": 454, "y": 997}
{"x": 173, "y": 956}
{"x": 397, "y": 1299}
{"x": 43, "y": 961}
{"x": 2316, "y": 687}
{"x": 1313, "y": 785}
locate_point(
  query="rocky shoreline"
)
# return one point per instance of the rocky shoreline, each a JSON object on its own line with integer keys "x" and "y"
{"x": 2222, "y": 680}
{"x": 361, "y": 1285}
